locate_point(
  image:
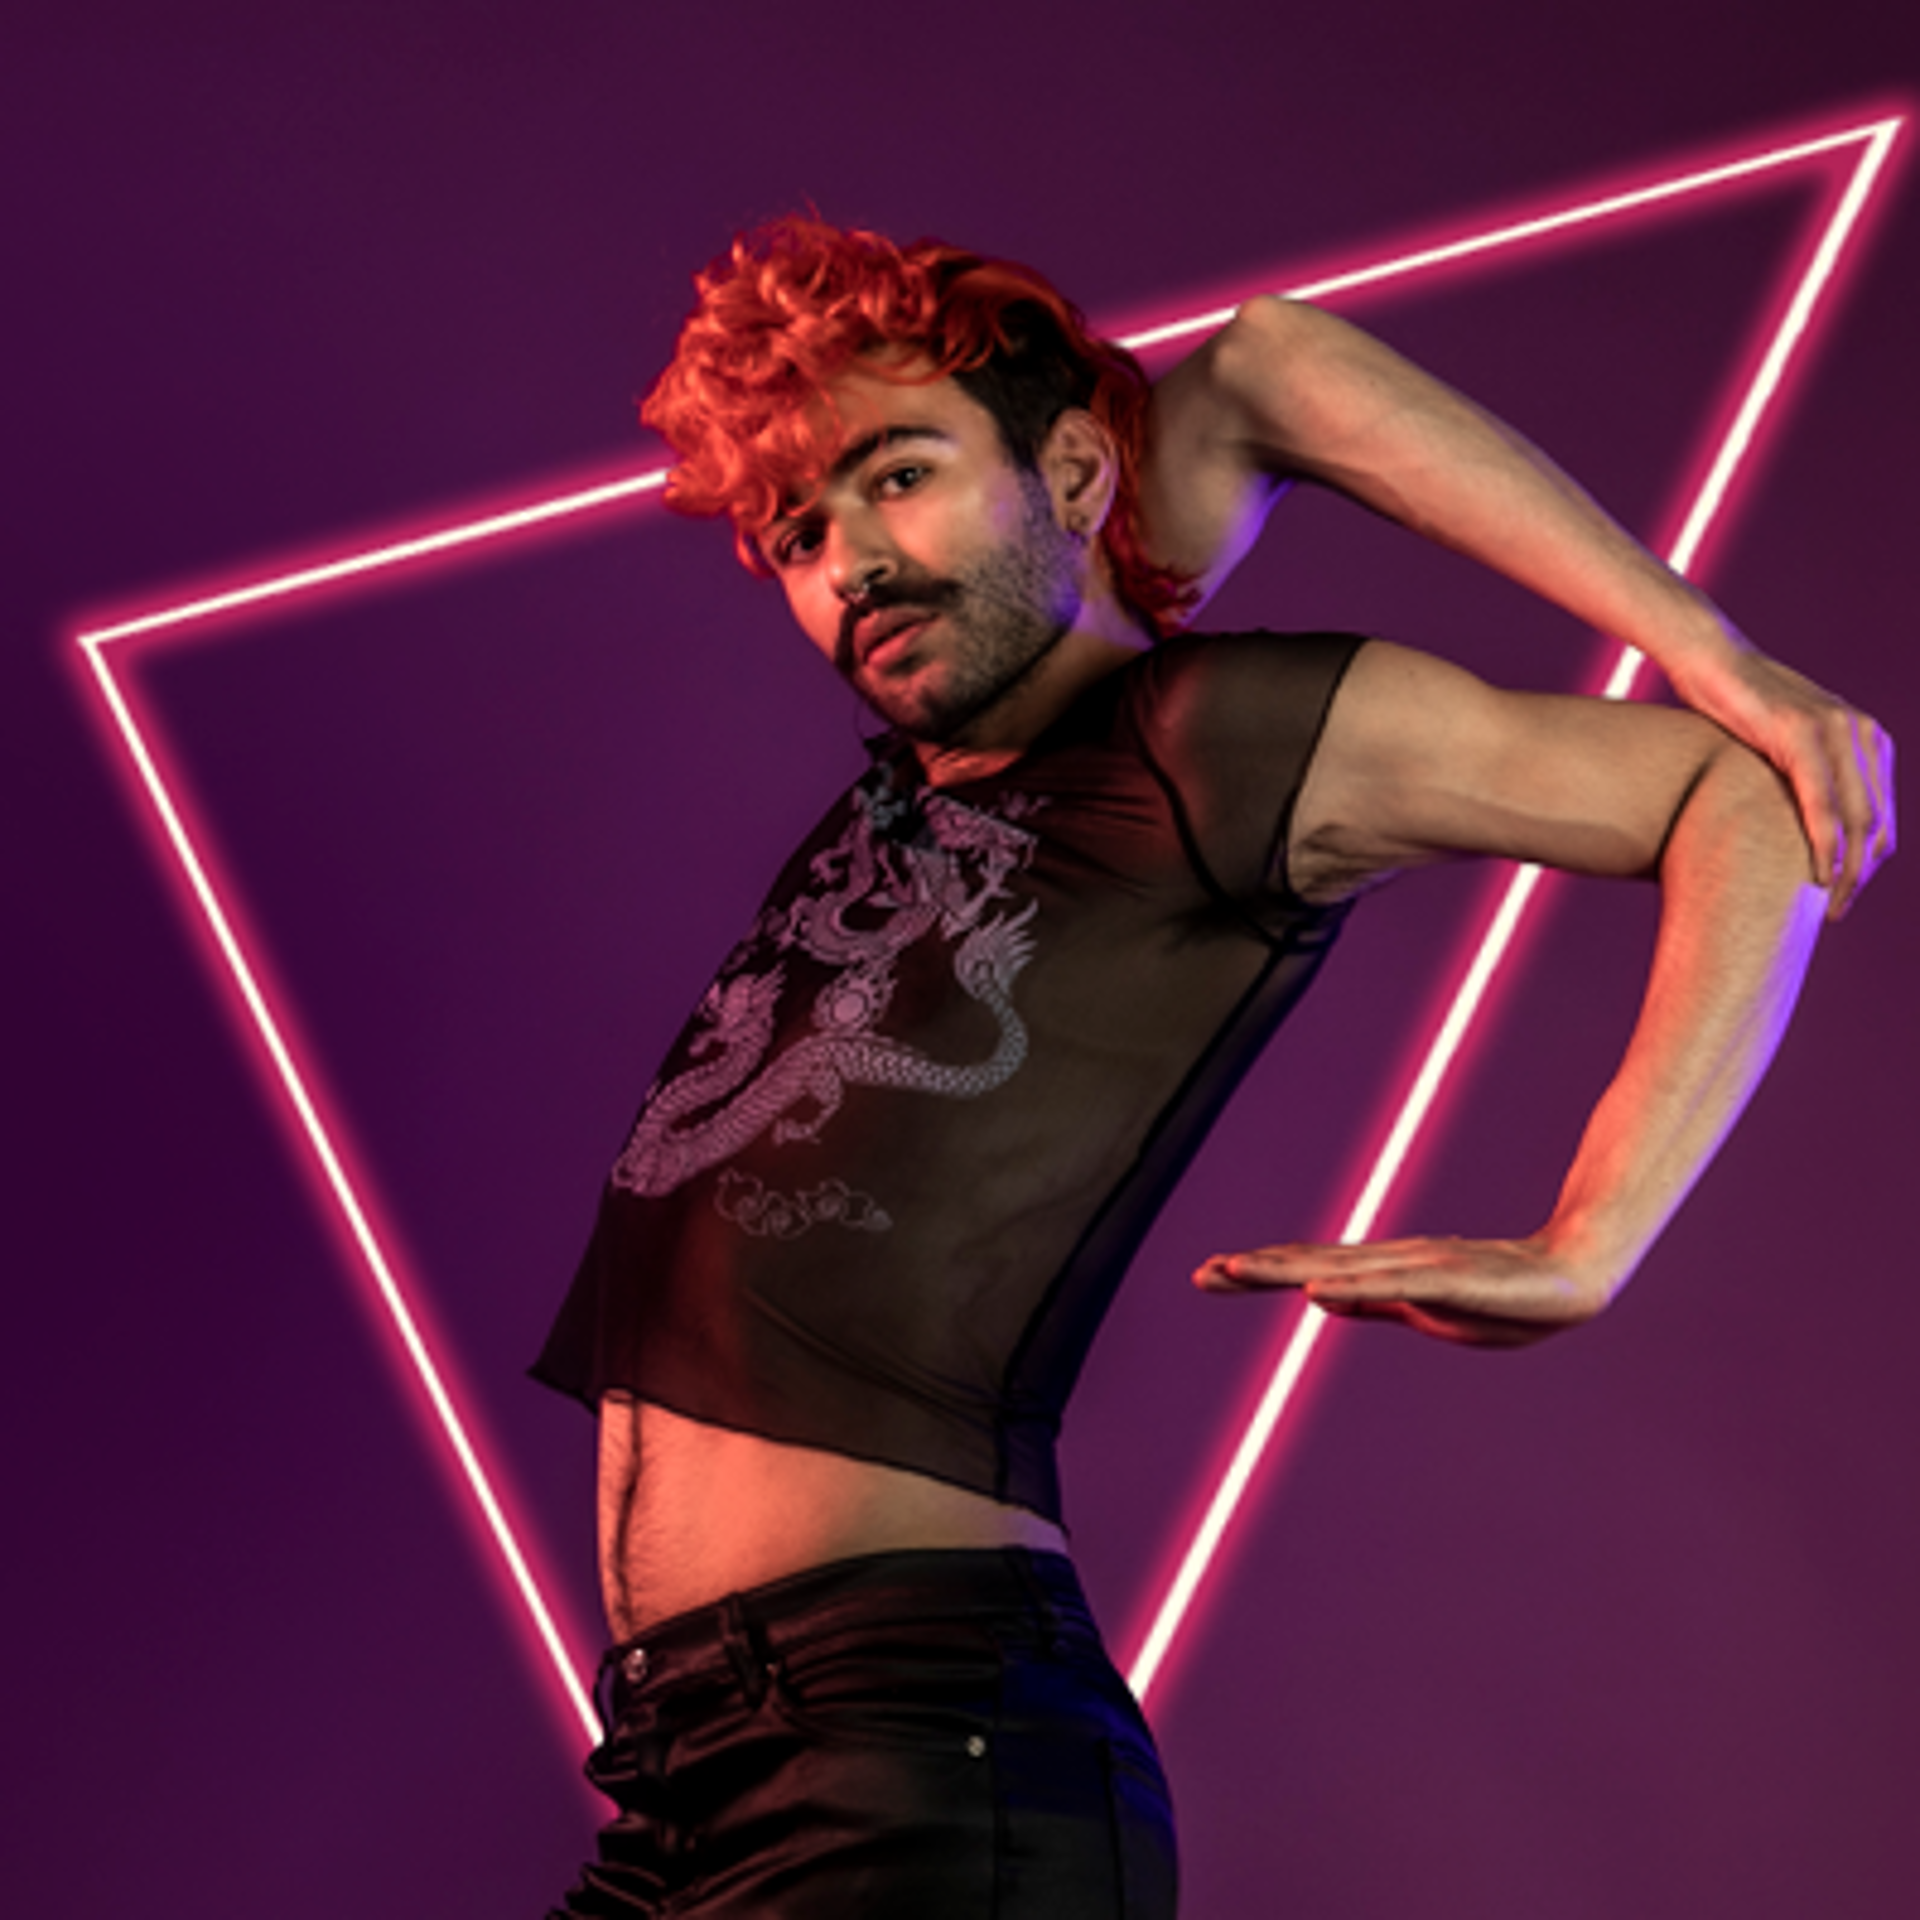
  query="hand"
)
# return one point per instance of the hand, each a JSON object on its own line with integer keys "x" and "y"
{"x": 1484, "y": 1293}
{"x": 1838, "y": 761}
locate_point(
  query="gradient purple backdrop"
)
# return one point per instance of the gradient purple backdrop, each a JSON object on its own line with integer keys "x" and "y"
{"x": 1621, "y": 1627}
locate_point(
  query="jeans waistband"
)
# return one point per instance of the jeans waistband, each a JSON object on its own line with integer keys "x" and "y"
{"x": 1008, "y": 1587}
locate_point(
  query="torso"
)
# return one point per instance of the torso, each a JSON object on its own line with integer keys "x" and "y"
{"x": 691, "y": 1512}
{"x": 889, "y": 1177}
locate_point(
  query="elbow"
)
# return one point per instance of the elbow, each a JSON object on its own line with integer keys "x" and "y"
{"x": 1764, "y": 803}
{"x": 1269, "y": 362}
{"x": 1743, "y": 810}
{"x": 1271, "y": 339}
{"x": 1272, "y": 320}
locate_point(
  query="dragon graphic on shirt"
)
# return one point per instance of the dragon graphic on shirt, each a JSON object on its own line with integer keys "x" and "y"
{"x": 871, "y": 895}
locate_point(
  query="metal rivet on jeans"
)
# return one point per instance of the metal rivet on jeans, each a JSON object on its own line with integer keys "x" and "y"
{"x": 976, "y": 1746}
{"x": 634, "y": 1666}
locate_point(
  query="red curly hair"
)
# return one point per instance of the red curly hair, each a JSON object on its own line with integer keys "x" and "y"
{"x": 795, "y": 303}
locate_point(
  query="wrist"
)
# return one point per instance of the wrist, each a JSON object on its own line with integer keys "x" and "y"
{"x": 1688, "y": 636}
{"x": 1594, "y": 1262}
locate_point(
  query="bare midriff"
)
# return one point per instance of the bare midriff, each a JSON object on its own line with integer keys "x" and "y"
{"x": 690, "y": 1513}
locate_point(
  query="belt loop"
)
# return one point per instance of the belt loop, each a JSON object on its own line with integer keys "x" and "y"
{"x": 620, "y": 1667}
{"x": 746, "y": 1649}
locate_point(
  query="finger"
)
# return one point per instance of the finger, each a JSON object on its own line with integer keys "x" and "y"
{"x": 1867, "y": 810}
{"x": 1884, "y": 836}
{"x": 1260, "y": 1270}
{"x": 1219, "y": 1275}
{"x": 1296, "y": 1263}
{"x": 1857, "y": 824}
{"x": 1809, "y": 770}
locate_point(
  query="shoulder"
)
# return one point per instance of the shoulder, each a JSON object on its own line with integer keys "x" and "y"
{"x": 1229, "y": 724}
{"x": 1209, "y": 691}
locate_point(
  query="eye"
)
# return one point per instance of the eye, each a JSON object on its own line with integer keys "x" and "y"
{"x": 901, "y": 479}
{"x": 795, "y": 544}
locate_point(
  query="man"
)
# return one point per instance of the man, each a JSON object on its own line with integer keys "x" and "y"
{"x": 851, "y": 1257}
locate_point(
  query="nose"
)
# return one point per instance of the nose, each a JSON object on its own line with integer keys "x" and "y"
{"x": 858, "y": 562}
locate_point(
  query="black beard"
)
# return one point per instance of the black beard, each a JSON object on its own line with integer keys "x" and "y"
{"x": 1005, "y": 612}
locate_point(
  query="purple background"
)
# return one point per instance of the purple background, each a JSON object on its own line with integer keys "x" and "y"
{"x": 1623, "y": 1626}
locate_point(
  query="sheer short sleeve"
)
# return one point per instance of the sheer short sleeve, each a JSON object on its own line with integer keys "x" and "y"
{"x": 1229, "y": 725}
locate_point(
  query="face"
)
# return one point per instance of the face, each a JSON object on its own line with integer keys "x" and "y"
{"x": 929, "y": 568}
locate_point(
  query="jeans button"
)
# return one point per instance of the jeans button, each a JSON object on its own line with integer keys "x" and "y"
{"x": 976, "y": 1746}
{"x": 634, "y": 1666}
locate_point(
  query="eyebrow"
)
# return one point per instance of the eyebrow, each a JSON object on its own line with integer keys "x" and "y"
{"x": 864, "y": 449}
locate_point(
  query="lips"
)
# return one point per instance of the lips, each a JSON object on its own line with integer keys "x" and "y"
{"x": 882, "y": 635}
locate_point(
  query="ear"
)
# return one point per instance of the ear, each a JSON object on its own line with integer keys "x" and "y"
{"x": 1081, "y": 468}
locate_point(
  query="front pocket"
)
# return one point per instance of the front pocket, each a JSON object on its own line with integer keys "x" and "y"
{"x": 927, "y": 1689}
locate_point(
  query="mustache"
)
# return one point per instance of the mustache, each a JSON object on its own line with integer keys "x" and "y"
{"x": 911, "y": 587}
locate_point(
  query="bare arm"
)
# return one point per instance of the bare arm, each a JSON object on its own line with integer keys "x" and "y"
{"x": 1421, "y": 761}
{"x": 1286, "y": 391}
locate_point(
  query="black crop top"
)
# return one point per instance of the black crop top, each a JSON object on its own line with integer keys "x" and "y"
{"x": 892, "y": 1171}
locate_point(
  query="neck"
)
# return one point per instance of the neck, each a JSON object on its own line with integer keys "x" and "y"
{"x": 1102, "y": 640}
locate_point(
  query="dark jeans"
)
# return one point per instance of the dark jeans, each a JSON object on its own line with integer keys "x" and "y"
{"x": 910, "y": 1736}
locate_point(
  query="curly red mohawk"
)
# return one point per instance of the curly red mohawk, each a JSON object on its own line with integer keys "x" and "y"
{"x": 792, "y": 305}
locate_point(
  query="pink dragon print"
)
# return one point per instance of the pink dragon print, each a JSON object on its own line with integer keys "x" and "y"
{"x": 871, "y": 897}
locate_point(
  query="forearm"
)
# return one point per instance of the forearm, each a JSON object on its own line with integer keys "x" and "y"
{"x": 1319, "y": 398}
{"x": 1417, "y": 753}
{"x": 1738, "y": 922}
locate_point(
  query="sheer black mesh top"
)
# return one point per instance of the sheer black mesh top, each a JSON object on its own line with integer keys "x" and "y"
{"x": 893, "y": 1169}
